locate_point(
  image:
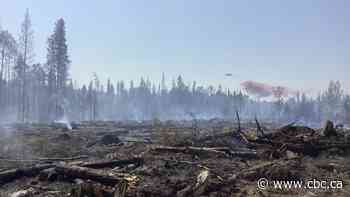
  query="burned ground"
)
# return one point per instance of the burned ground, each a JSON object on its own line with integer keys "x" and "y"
{"x": 169, "y": 159}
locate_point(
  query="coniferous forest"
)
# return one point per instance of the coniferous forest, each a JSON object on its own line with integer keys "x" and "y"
{"x": 33, "y": 91}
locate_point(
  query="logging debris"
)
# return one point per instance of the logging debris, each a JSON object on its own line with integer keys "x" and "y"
{"x": 165, "y": 159}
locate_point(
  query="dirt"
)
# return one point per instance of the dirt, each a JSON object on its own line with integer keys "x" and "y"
{"x": 173, "y": 160}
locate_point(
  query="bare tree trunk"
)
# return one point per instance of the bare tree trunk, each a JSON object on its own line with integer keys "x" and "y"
{"x": 1, "y": 77}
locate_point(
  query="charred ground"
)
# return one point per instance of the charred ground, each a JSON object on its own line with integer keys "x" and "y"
{"x": 208, "y": 158}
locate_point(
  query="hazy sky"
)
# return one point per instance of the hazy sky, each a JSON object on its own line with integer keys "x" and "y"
{"x": 299, "y": 43}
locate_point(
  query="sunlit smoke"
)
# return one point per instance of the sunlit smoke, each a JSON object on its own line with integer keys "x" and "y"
{"x": 64, "y": 120}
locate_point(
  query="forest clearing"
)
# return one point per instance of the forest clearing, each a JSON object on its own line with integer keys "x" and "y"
{"x": 174, "y": 158}
{"x": 174, "y": 98}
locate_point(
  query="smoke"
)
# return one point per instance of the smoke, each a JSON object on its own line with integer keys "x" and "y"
{"x": 257, "y": 89}
{"x": 263, "y": 90}
{"x": 64, "y": 120}
{"x": 64, "y": 106}
{"x": 9, "y": 117}
{"x": 12, "y": 144}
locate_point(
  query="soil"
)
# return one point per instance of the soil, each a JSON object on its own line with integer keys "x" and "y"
{"x": 214, "y": 158}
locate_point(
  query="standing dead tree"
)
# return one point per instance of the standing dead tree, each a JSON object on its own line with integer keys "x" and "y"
{"x": 240, "y": 135}
{"x": 195, "y": 125}
{"x": 259, "y": 128}
{"x": 238, "y": 122}
{"x": 26, "y": 55}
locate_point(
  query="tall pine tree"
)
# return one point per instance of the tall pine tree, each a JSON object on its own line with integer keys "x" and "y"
{"x": 26, "y": 52}
{"x": 57, "y": 68}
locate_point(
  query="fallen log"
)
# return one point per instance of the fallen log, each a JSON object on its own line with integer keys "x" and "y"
{"x": 10, "y": 175}
{"x": 243, "y": 153}
{"x": 181, "y": 162}
{"x": 74, "y": 172}
{"x": 204, "y": 151}
{"x": 112, "y": 164}
{"x": 63, "y": 158}
{"x": 199, "y": 151}
{"x": 44, "y": 159}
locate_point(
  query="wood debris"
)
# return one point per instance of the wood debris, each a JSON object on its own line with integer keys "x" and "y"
{"x": 216, "y": 162}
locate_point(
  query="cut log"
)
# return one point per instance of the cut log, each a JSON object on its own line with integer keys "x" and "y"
{"x": 10, "y": 175}
{"x": 199, "y": 151}
{"x": 112, "y": 164}
{"x": 63, "y": 158}
{"x": 243, "y": 153}
{"x": 74, "y": 172}
{"x": 44, "y": 159}
{"x": 209, "y": 152}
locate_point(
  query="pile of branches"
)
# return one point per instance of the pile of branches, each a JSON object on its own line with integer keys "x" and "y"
{"x": 300, "y": 140}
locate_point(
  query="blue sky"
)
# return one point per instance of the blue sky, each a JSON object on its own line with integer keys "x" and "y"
{"x": 301, "y": 43}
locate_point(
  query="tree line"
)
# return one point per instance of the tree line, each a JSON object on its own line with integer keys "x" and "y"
{"x": 43, "y": 92}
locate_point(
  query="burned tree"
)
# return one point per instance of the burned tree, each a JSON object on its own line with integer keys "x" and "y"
{"x": 26, "y": 51}
{"x": 278, "y": 94}
{"x": 259, "y": 129}
{"x": 347, "y": 108}
{"x": 8, "y": 52}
